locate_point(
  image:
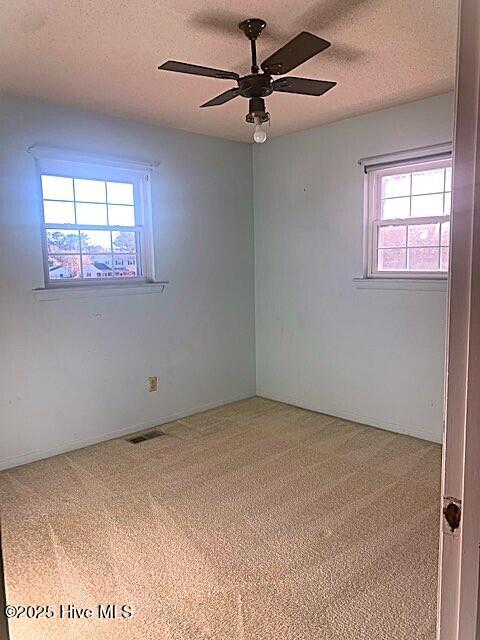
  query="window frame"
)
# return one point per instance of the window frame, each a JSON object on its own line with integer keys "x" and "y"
{"x": 373, "y": 221}
{"x": 63, "y": 164}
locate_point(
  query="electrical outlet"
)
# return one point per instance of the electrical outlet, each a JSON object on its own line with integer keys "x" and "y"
{"x": 152, "y": 383}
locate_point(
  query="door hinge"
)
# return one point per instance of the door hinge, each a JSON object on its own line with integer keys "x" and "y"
{"x": 452, "y": 512}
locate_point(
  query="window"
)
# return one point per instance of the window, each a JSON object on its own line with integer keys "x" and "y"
{"x": 95, "y": 225}
{"x": 409, "y": 218}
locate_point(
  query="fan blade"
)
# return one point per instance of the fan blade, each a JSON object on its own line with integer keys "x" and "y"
{"x": 299, "y": 50}
{"x": 223, "y": 98}
{"x": 194, "y": 69}
{"x": 305, "y": 86}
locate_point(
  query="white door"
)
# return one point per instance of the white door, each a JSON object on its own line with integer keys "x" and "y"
{"x": 459, "y": 550}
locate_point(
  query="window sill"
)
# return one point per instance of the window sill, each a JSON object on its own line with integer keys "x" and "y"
{"x": 98, "y": 291}
{"x": 402, "y": 284}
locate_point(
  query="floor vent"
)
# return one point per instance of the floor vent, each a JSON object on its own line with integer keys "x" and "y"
{"x": 146, "y": 436}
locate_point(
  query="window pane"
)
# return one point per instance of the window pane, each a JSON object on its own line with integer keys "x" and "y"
{"x": 90, "y": 190}
{"x": 100, "y": 249}
{"x": 425, "y": 259}
{"x": 444, "y": 258}
{"x": 124, "y": 241}
{"x": 392, "y": 259}
{"x": 445, "y": 234}
{"x": 448, "y": 179}
{"x": 95, "y": 241}
{"x": 121, "y": 215}
{"x": 60, "y": 241}
{"x": 428, "y": 181}
{"x": 396, "y": 208}
{"x": 406, "y": 240}
{"x": 91, "y": 213}
{"x": 64, "y": 267}
{"x": 423, "y": 235}
{"x": 126, "y": 266}
{"x": 55, "y": 188}
{"x": 396, "y": 185}
{"x": 97, "y": 266}
{"x": 392, "y": 236}
{"x": 448, "y": 203}
{"x": 429, "y": 205}
{"x": 58, "y": 212}
{"x": 119, "y": 193}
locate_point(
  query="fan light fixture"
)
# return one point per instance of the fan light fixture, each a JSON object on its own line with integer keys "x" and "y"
{"x": 256, "y": 86}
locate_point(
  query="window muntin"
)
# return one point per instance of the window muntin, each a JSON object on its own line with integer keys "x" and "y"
{"x": 409, "y": 219}
{"x": 93, "y": 229}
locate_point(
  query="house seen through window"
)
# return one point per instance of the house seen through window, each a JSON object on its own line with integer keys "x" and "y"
{"x": 409, "y": 218}
{"x": 92, "y": 230}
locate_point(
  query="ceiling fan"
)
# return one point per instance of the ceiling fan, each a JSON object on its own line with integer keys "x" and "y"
{"x": 256, "y": 86}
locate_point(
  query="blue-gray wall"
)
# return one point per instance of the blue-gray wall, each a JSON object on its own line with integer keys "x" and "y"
{"x": 74, "y": 371}
{"x": 375, "y": 356}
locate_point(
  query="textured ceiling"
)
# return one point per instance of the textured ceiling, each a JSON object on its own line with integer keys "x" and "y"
{"x": 103, "y": 55}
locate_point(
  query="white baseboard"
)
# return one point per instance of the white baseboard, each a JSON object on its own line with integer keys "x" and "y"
{"x": 33, "y": 456}
{"x": 386, "y": 425}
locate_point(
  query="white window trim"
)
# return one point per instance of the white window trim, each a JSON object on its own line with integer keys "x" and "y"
{"x": 54, "y": 294}
{"x": 407, "y": 155}
{"x": 42, "y": 151}
{"x": 77, "y": 164}
{"x": 384, "y": 165}
{"x": 401, "y": 284}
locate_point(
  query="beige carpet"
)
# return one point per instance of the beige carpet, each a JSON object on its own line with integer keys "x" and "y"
{"x": 255, "y": 521}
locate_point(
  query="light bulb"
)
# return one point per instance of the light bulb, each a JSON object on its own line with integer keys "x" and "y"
{"x": 260, "y": 135}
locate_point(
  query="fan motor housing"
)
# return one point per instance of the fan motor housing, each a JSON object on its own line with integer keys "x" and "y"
{"x": 257, "y": 111}
{"x": 257, "y": 85}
